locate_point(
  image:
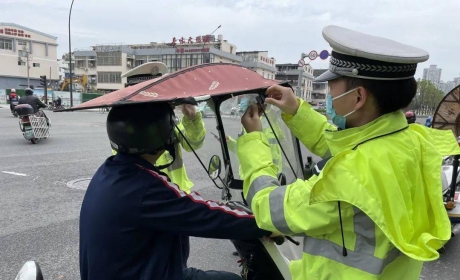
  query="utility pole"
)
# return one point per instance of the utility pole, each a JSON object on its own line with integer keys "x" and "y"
{"x": 202, "y": 54}
{"x": 299, "y": 80}
{"x": 28, "y": 58}
{"x": 28, "y": 69}
{"x": 70, "y": 59}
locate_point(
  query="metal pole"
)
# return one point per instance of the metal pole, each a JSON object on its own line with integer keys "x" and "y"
{"x": 28, "y": 83}
{"x": 202, "y": 54}
{"x": 453, "y": 184}
{"x": 299, "y": 79}
{"x": 70, "y": 59}
{"x": 46, "y": 91}
{"x": 299, "y": 82}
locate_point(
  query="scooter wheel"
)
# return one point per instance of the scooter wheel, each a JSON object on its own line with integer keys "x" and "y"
{"x": 34, "y": 141}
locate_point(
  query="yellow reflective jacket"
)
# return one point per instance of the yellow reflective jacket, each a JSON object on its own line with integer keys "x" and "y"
{"x": 195, "y": 132}
{"x": 274, "y": 146}
{"x": 383, "y": 176}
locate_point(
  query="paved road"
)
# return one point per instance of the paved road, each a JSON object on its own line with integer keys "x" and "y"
{"x": 39, "y": 212}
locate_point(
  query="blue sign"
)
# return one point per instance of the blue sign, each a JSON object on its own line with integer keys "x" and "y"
{"x": 324, "y": 54}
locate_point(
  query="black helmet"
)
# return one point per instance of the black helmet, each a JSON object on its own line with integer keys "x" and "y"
{"x": 29, "y": 91}
{"x": 143, "y": 128}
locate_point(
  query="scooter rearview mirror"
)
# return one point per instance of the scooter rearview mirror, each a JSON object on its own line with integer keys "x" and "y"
{"x": 30, "y": 271}
{"x": 214, "y": 167}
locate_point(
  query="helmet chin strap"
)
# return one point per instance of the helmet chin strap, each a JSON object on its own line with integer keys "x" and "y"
{"x": 172, "y": 151}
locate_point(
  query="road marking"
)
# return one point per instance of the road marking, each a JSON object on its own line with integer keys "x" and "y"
{"x": 14, "y": 173}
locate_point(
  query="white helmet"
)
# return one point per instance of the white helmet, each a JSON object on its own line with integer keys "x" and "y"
{"x": 13, "y": 90}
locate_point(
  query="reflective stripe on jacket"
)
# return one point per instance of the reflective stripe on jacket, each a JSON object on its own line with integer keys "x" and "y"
{"x": 385, "y": 178}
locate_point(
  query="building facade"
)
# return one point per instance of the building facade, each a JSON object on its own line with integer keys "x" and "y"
{"x": 63, "y": 69}
{"x": 260, "y": 62}
{"x": 290, "y": 72}
{"x": 104, "y": 64}
{"x": 446, "y": 86}
{"x": 432, "y": 74}
{"x": 26, "y": 54}
{"x": 320, "y": 89}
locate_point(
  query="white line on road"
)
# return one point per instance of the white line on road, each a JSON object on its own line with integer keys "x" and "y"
{"x": 14, "y": 173}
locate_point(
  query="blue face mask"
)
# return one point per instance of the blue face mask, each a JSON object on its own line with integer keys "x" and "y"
{"x": 339, "y": 121}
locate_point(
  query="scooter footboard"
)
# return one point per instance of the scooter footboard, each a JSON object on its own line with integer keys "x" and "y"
{"x": 260, "y": 264}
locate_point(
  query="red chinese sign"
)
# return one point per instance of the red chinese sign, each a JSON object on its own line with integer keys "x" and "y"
{"x": 14, "y": 32}
{"x": 198, "y": 40}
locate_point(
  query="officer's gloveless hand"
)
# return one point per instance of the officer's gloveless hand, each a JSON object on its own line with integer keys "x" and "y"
{"x": 283, "y": 98}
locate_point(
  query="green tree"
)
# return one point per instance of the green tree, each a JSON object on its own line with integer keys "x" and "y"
{"x": 427, "y": 98}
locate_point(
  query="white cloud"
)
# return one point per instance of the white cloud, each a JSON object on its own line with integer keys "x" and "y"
{"x": 285, "y": 28}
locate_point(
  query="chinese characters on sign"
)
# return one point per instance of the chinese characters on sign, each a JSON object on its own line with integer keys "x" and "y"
{"x": 198, "y": 40}
{"x": 108, "y": 48}
{"x": 182, "y": 50}
{"x": 14, "y": 32}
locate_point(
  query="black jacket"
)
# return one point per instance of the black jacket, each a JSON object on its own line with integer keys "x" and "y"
{"x": 32, "y": 101}
{"x": 134, "y": 222}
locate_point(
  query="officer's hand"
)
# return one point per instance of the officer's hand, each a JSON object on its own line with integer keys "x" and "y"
{"x": 189, "y": 111}
{"x": 283, "y": 98}
{"x": 251, "y": 119}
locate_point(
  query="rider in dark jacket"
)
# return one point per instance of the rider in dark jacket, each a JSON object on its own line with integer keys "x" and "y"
{"x": 134, "y": 220}
{"x": 32, "y": 100}
{"x": 58, "y": 101}
{"x": 36, "y": 104}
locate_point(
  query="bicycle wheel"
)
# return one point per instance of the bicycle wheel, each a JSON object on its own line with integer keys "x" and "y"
{"x": 102, "y": 110}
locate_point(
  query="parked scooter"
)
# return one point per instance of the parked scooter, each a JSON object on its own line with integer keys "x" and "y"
{"x": 33, "y": 128}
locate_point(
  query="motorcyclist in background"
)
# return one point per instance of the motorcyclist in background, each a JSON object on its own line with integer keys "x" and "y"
{"x": 428, "y": 121}
{"x": 58, "y": 101}
{"x": 35, "y": 102}
{"x": 14, "y": 98}
{"x": 410, "y": 117}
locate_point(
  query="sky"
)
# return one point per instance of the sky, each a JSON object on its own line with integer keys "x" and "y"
{"x": 284, "y": 28}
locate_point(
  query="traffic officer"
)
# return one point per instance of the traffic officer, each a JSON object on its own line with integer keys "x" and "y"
{"x": 134, "y": 220}
{"x": 374, "y": 210}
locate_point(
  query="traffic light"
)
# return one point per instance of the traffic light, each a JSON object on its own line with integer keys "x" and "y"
{"x": 43, "y": 81}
